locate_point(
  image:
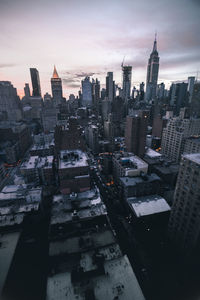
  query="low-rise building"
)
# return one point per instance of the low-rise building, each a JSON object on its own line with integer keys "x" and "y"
{"x": 38, "y": 169}
{"x": 16, "y": 201}
{"x": 140, "y": 185}
{"x": 85, "y": 259}
{"x": 128, "y": 164}
{"x": 73, "y": 171}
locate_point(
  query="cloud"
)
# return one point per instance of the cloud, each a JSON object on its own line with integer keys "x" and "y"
{"x": 84, "y": 74}
{"x": 68, "y": 80}
{"x": 7, "y": 65}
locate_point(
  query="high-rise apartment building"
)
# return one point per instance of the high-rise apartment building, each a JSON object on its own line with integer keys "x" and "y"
{"x": 136, "y": 131}
{"x": 127, "y": 74}
{"x": 27, "y": 90}
{"x": 190, "y": 88}
{"x": 152, "y": 74}
{"x": 195, "y": 100}
{"x": 109, "y": 86}
{"x": 175, "y": 134}
{"x": 86, "y": 92}
{"x": 184, "y": 223}
{"x": 9, "y": 101}
{"x": 178, "y": 96}
{"x": 56, "y": 87}
{"x": 35, "y": 82}
{"x": 96, "y": 93}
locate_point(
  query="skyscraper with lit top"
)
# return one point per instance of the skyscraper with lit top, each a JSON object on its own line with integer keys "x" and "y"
{"x": 56, "y": 87}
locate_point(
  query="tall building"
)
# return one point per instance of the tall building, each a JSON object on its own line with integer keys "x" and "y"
{"x": 142, "y": 91}
{"x": 178, "y": 96}
{"x": 152, "y": 74}
{"x": 161, "y": 90}
{"x": 175, "y": 134}
{"x": 27, "y": 90}
{"x": 127, "y": 74}
{"x": 110, "y": 86}
{"x": 96, "y": 93}
{"x": 136, "y": 131}
{"x": 56, "y": 87}
{"x": 86, "y": 92}
{"x": 190, "y": 87}
{"x": 192, "y": 145}
{"x": 184, "y": 223}
{"x": 9, "y": 101}
{"x": 195, "y": 100}
{"x": 35, "y": 82}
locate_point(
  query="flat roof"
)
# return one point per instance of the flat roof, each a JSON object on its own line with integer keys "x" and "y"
{"x": 38, "y": 162}
{"x": 119, "y": 281}
{"x": 152, "y": 153}
{"x": 8, "y": 243}
{"x": 148, "y": 205}
{"x": 10, "y": 193}
{"x": 135, "y": 160}
{"x": 72, "y": 159}
{"x": 11, "y": 220}
{"x": 195, "y": 157}
{"x": 92, "y": 240}
{"x": 60, "y": 215}
{"x": 131, "y": 181}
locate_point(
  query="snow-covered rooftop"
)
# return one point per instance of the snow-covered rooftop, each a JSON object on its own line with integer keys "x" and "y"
{"x": 195, "y": 157}
{"x": 72, "y": 159}
{"x": 148, "y": 205}
{"x": 152, "y": 153}
{"x": 38, "y": 162}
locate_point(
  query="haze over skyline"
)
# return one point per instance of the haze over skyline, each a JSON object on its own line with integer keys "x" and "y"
{"x": 91, "y": 38}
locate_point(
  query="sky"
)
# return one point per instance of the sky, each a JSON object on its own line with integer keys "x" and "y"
{"x": 91, "y": 37}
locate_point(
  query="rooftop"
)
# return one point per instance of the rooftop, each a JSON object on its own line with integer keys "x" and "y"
{"x": 152, "y": 153}
{"x": 118, "y": 282}
{"x": 148, "y": 205}
{"x": 129, "y": 160}
{"x": 60, "y": 215}
{"x": 88, "y": 241}
{"x": 131, "y": 181}
{"x": 72, "y": 159}
{"x": 195, "y": 157}
{"x": 38, "y": 162}
{"x": 20, "y": 192}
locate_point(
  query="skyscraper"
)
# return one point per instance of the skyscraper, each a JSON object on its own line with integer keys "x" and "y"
{"x": 110, "y": 86}
{"x": 96, "y": 93}
{"x": 195, "y": 101}
{"x": 175, "y": 134}
{"x": 127, "y": 74}
{"x": 184, "y": 223}
{"x": 27, "y": 90}
{"x": 9, "y": 101}
{"x": 190, "y": 88}
{"x": 56, "y": 87}
{"x": 86, "y": 92}
{"x": 152, "y": 74}
{"x": 178, "y": 96}
{"x": 35, "y": 82}
{"x": 135, "y": 132}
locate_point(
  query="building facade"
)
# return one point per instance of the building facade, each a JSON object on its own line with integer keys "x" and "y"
{"x": 184, "y": 223}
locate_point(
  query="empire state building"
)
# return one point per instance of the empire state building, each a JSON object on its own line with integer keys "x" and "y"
{"x": 152, "y": 74}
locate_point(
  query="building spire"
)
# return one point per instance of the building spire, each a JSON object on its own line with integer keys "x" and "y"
{"x": 55, "y": 74}
{"x": 155, "y": 43}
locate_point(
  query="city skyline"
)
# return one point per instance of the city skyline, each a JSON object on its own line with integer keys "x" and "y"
{"x": 39, "y": 36}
